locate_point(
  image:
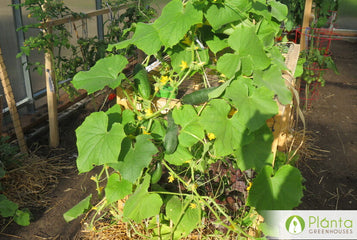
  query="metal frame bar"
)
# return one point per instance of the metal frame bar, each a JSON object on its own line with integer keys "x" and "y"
{"x": 100, "y": 25}
{"x": 17, "y": 14}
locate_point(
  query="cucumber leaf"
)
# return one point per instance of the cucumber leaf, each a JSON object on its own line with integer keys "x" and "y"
{"x": 283, "y": 191}
{"x": 191, "y": 130}
{"x": 255, "y": 105}
{"x": 117, "y": 189}
{"x": 106, "y": 72}
{"x": 96, "y": 145}
{"x": 137, "y": 158}
{"x": 78, "y": 209}
{"x": 142, "y": 204}
{"x": 175, "y": 20}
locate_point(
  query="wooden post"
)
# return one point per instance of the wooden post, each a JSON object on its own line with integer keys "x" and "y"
{"x": 51, "y": 96}
{"x": 51, "y": 89}
{"x": 12, "y": 105}
{"x": 305, "y": 24}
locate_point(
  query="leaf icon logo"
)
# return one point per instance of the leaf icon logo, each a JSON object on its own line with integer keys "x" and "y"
{"x": 295, "y": 224}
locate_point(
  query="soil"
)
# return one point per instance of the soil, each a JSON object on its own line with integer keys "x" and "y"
{"x": 331, "y": 179}
{"x": 331, "y": 175}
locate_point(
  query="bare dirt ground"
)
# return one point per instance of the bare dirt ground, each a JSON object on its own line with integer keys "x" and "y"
{"x": 331, "y": 177}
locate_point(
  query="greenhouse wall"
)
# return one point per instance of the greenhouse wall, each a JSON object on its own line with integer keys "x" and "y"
{"x": 347, "y": 15}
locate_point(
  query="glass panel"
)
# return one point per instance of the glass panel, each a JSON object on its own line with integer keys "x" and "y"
{"x": 8, "y": 43}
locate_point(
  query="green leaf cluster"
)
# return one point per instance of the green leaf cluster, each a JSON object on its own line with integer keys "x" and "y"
{"x": 235, "y": 40}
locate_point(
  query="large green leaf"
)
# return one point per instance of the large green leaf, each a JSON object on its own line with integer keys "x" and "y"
{"x": 257, "y": 153}
{"x": 277, "y": 58}
{"x": 78, "y": 209}
{"x": 186, "y": 219}
{"x": 175, "y": 20}
{"x": 229, "y": 64}
{"x": 278, "y": 10}
{"x": 106, "y": 72}
{"x": 114, "y": 115}
{"x": 219, "y": 14}
{"x": 142, "y": 204}
{"x": 272, "y": 79}
{"x": 7, "y": 207}
{"x": 229, "y": 132}
{"x": 216, "y": 44}
{"x": 246, "y": 43}
{"x": 260, "y": 7}
{"x": 96, "y": 145}
{"x": 255, "y": 105}
{"x": 145, "y": 37}
{"x": 137, "y": 158}
{"x": 267, "y": 30}
{"x": 191, "y": 130}
{"x": 283, "y": 191}
{"x": 180, "y": 156}
{"x": 117, "y": 188}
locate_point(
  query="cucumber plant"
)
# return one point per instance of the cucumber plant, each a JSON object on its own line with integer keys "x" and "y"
{"x": 174, "y": 162}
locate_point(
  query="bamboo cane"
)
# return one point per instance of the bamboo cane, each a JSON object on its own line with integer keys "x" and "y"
{"x": 12, "y": 105}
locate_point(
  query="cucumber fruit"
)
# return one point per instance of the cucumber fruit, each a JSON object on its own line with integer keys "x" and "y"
{"x": 171, "y": 137}
{"x": 156, "y": 175}
{"x": 198, "y": 97}
{"x": 141, "y": 81}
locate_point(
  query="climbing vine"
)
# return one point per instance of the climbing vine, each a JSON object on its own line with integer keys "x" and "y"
{"x": 202, "y": 157}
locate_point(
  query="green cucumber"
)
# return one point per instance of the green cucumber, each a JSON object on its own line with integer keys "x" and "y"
{"x": 171, "y": 137}
{"x": 156, "y": 175}
{"x": 198, "y": 97}
{"x": 141, "y": 81}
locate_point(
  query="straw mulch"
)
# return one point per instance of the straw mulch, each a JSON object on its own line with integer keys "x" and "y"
{"x": 31, "y": 182}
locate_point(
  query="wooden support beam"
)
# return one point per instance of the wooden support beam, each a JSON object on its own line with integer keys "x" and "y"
{"x": 55, "y": 22}
{"x": 305, "y": 23}
{"x": 5, "y": 81}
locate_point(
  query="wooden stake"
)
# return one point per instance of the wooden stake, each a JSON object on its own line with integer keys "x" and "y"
{"x": 51, "y": 89}
{"x": 51, "y": 97}
{"x": 12, "y": 105}
{"x": 305, "y": 24}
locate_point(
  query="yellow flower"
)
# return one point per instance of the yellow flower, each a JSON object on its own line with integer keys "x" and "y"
{"x": 211, "y": 136}
{"x": 249, "y": 186}
{"x": 29, "y": 15}
{"x": 192, "y": 187}
{"x": 164, "y": 80}
{"x": 183, "y": 65}
{"x": 187, "y": 40}
{"x": 188, "y": 161}
{"x": 171, "y": 178}
{"x": 145, "y": 132}
{"x": 193, "y": 205}
{"x": 140, "y": 118}
{"x": 93, "y": 178}
{"x": 148, "y": 112}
